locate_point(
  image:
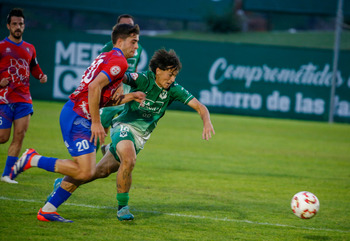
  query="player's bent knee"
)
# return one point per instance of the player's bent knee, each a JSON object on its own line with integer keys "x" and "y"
{"x": 84, "y": 176}
{"x": 4, "y": 139}
{"x": 130, "y": 163}
{"x": 102, "y": 173}
{"x": 5, "y": 135}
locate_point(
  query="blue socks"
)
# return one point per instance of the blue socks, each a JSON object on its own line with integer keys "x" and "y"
{"x": 11, "y": 160}
{"x": 59, "y": 197}
{"x": 47, "y": 163}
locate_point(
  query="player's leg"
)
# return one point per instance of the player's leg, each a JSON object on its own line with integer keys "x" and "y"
{"x": 6, "y": 118}
{"x": 10, "y": 160}
{"x": 80, "y": 170}
{"x": 5, "y": 132}
{"x": 20, "y": 127}
{"x": 20, "y": 113}
{"x": 86, "y": 169}
{"x": 72, "y": 127}
{"x": 76, "y": 132}
{"x": 127, "y": 154}
{"x": 125, "y": 148}
{"x": 104, "y": 168}
{"x": 107, "y": 165}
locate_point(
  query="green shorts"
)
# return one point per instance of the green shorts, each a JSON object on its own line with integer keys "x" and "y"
{"x": 107, "y": 114}
{"x": 120, "y": 133}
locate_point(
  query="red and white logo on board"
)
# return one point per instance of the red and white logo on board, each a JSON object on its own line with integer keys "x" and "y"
{"x": 115, "y": 70}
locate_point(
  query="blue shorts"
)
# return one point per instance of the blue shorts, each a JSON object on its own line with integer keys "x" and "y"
{"x": 13, "y": 111}
{"x": 76, "y": 131}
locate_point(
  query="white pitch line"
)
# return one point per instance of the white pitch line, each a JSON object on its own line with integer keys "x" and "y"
{"x": 185, "y": 215}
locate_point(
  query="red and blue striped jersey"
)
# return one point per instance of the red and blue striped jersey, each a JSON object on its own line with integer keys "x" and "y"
{"x": 113, "y": 64}
{"x": 17, "y": 61}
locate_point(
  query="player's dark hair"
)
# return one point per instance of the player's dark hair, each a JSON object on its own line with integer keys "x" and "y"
{"x": 124, "y": 31}
{"x": 15, "y": 12}
{"x": 165, "y": 60}
{"x": 125, "y": 16}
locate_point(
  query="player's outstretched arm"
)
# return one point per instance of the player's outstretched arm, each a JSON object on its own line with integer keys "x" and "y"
{"x": 119, "y": 98}
{"x": 208, "y": 128}
{"x": 94, "y": 96}
{"x": 137, "y": 96}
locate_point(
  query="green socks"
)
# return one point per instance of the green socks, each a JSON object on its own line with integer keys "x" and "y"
{"x": 123, "y": 199}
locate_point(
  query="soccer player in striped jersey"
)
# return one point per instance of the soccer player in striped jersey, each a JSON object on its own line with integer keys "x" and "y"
{"x": 80, "y": 119}
{"x": 17, "y": 61}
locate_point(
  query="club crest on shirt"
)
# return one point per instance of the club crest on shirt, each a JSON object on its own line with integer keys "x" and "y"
{"x": 115, "y": 70}
{"x": 134, "y": 76}
{"x": 163, "y": 95}
{"x": 8, "y": 50}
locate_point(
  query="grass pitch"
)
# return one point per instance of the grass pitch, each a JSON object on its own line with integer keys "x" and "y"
{"x": 237, "y": 186}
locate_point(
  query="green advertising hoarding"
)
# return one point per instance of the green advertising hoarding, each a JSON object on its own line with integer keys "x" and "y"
{"x": 259, "y": 80}
{"x": 239, "y": 79}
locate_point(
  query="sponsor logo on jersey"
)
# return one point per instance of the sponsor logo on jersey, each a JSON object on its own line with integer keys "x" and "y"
{"x": 115, "y": 70}
{"x": 19, "y": 70}
{"x": 134, "y": 76}
{"x": 152, "y": 106}
{"x": 8, "y": 50}
{"x": 163, "y": 95}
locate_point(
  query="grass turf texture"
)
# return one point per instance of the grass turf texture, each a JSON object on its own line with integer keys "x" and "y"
{"x": 237, "y": 186}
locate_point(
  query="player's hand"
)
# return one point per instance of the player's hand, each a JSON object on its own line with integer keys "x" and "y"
{"x": 118, "y": 92}
{"x": 208, "y": 129}
{"x": 43, "y": 78}
{"x": 97, "y": 133}
{"x": 4, "y": 82}
{"x": 139, "y": 96}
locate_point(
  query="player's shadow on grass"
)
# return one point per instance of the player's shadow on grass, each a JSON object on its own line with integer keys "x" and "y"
{"x": 188, "y": 210}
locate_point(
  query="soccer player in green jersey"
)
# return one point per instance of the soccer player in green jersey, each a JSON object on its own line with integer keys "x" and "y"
{"x": 133, "y": 127}
{"x": 108, "y": 113}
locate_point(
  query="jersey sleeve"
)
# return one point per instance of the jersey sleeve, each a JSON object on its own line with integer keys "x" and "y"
{"x": 138, "y": 81}
{"x": 115, "y": 69}
{"x": 108, "y": 47}
{"x": 179, "y": 93}
{"x": 34, "y": 66}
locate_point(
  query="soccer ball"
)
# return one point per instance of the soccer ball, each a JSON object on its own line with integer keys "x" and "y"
{"x": 305, "y": 205}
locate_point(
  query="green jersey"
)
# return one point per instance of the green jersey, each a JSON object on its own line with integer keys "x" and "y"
{"x": 132, "y": 62}
{"x": 108, "y": 113}
{"x": 144, "y": 118}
